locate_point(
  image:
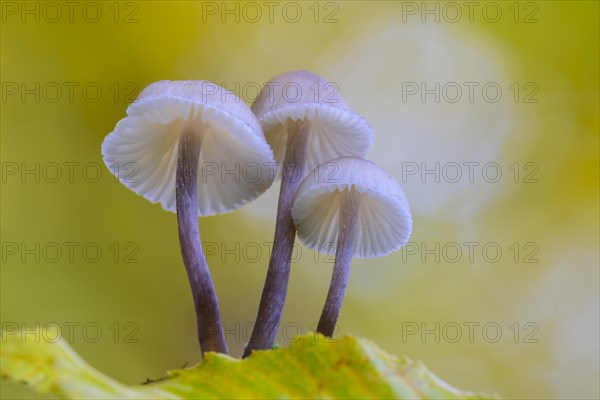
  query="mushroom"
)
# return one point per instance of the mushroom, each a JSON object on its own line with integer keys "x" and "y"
{"x": 173, "y": 129}
{"x": 306, "y": 122}
{"x": 354, "y": 204}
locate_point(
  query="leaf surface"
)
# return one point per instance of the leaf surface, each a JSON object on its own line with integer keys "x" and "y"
{"x": 311, "y": 367}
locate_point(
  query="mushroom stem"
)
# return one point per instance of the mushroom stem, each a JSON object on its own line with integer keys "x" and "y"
{"x": 210, "y": 330}
{"x": 343, "y": 259}
{"x": 278, "y": 273}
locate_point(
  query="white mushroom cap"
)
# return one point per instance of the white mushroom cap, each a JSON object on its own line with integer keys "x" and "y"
{"x": 335, "y": 130}
{"x": 142, "y": 150}
{"x": 384, "y": 220}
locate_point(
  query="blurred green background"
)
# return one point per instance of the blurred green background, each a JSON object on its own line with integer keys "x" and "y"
{"x": 528, "y": 317}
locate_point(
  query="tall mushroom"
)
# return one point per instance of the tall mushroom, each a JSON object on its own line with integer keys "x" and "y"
{"x": 306, "y": 122}
{"x": 173, "y": 129}
{"x": 352, "y": 203}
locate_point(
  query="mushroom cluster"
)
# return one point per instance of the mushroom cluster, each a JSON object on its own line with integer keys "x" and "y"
{"x": 333, "y": 199}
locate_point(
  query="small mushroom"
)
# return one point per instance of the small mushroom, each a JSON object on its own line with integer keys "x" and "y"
{"x": 174, "y": 129}
{"x": 306, "y": 122}
{"x": 350, "y": 206}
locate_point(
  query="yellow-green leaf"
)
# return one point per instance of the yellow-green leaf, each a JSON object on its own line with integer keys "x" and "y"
{"x": 311, "y": 367}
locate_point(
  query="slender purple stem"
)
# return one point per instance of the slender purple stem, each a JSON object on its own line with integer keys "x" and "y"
{"x": 210, "y": 330}
{"x": 278, "y": 273}
{"x": 343, "y": 259}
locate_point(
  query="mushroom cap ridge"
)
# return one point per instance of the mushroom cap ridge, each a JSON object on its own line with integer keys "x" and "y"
{"x": 335, "y": 130}
{"x": 384, "y": 222}
{"x": 142, "y": 149}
